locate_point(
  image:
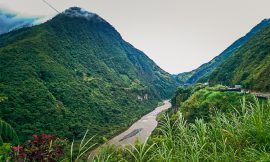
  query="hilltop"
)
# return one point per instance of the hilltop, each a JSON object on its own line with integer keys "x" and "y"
{"x": 75, "y": 72}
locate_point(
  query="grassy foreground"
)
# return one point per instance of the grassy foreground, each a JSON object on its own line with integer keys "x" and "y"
{"x": 243, "y": 135}
{"x": 239, "y": 133}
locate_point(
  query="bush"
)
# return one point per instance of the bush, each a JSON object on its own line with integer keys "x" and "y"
{"x": 43, "y": 147}
{"x": 242, "y": 135}
{"x": 5, "y": 150}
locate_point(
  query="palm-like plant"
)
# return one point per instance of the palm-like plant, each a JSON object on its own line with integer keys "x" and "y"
{"x": 83, "y": 149}
{"x": 141, "y": 152}
{"x": 7, "y": 133}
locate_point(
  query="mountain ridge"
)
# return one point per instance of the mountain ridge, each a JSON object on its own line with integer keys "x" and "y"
{"x": 248, "y": 66}
{"x": 79, "y": 74}
{"x": 200, "y": 74}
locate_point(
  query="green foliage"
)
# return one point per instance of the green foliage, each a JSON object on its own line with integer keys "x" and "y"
{"x": 3, "y": 98}
{"x": 206, "y": 101}
{"x": 5, "y": 151}
{"x": 111, "y": 153}
{"x": 248, "y": 66}
{"x": 82, "y": 150}
{"x": 7, "y": 133}
{"x": 72, "y": 74}
{"x": 202, "y": 73}
{"x": 182, "y": 78}
{"x": 106, "y": 154}
{"x": 140, "y": 152}
{"x": 183, "y": 93}
{"x": 242, "y": 135}
{"x": 43, "y": 147}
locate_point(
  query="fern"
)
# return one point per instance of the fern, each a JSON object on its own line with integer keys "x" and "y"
{"x": 7, "y": 133}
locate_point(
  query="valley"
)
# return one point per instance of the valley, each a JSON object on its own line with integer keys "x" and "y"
{"x": 88, "y": 80}
{"x": 73, "y": 90}
{"x": 141, "y": 129}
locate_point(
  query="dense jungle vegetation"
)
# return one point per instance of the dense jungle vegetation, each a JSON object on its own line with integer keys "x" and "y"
{"x": 234, "y": 127}
{"x": 201, "y": 74}
{"x": 208, "y": 125}
{"x": 71, "y": 74}
{"x": 71, "y": 83}
{"x": 248, "y": 66}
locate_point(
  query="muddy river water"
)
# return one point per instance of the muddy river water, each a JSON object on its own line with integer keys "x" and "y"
{"x": 141, "y": 129}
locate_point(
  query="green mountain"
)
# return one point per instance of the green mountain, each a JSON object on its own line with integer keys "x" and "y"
{"x": 182, "y": 78}
{"x": 249, "y": 65}
{"x": 206, "y": 69}
{"x": 75, "y": 72}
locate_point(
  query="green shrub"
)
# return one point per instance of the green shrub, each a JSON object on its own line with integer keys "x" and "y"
{"x": 5, "y": 151}
{"x": 7, "y": 133}
{"x": 241, "y": 135}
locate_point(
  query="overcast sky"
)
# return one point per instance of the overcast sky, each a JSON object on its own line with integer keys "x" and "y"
{"x": 179, "y": 35}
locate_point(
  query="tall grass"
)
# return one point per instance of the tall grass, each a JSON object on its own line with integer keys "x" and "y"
{"x": 243, "y": 135}
{"x": 141, "y": 152}
{"x": 80, "y": 153}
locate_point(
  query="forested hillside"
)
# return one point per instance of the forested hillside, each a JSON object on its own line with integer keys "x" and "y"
{"x": 207, "y": 125}
{"x": 249, "y": 65}
{"x": 182, "y": 78}
{"x": 206, "y": 69}
{"x": 76, "y": 72}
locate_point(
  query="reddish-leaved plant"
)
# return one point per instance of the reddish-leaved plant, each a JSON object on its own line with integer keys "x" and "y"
{"x": 43, "y": 148}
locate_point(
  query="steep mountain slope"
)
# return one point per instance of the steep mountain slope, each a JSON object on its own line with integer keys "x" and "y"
{"x": 182, "y": 78}
{"x": 249, "y": 65}
{"x": 75, "y": 72}
{"x": 206, "y": 69}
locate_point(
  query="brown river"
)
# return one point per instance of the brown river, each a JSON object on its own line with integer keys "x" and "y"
{"x": 141, "y": 129}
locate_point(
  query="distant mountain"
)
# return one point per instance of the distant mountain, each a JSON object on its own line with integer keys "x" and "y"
{"x": 206, "y": 69}
{"x": 249, "y": 65}
{"x": 75, "y": 72}
{"x": 182, "y": 78}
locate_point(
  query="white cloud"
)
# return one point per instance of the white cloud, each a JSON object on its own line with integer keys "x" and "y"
{"x": 11, "y": 21}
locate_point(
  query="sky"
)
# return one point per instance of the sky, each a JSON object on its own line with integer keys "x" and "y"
{"x": 10, "y": 21}
{"x": 179, "y": 35}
